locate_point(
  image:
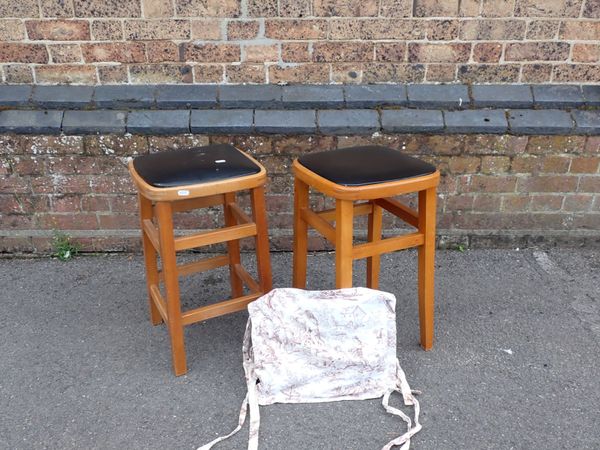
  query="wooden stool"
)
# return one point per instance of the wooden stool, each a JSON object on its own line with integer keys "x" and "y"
{"x": 374, "y": 174}
{"x": 182, "y": 180}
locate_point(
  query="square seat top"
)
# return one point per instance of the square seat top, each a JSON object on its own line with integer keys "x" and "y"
{"x": 197, "y": 165}
{"x": 364, "y": 165}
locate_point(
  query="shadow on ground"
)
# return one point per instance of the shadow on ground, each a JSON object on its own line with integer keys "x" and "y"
{"x": 516, "y": 363}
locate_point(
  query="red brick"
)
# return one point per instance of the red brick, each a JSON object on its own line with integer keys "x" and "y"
{"x": 584, "y": 165}
{"x": 242, "y": 30}
{"x": 25, "y": 53}
{"x": 548, "y": 183}
{"x": 592, "y": 145}
{"x": 104, "y": 8}
{"x": 486, "y": 202}
{"x": 14, "y": 222}
{"x": 515, "y": 203}
{"x": 546, "y": 202}
{"x": 537, "y": 51}
{"x": 118, "y": 221}
{"x": 397, "y": 29}
{"x": 212, "y": 52}
{"x": 101, "y": 184}
{"x": 578, "y": 202}
{"x": 94, "y": 203}
{"x": 486, "y": 184}
{"x": 52, "y": 145}
{"x": 552, "y": 145}
{"x": 555, "y": 164}
{"x": 464, "y": 164}
{"x": 495, "y": 164}
{"x": 21, "y": 8}
{"x": 58, "y": 30}
{"x": 459, "y": 203}
{"x": 79, "y": 221}
{"x": 66, "y": 203}
{"x": 497, "y": 8}
{"x": 262, "y": 8}
{"x": 295, "y": 29}
{"x": 439, "y": 52}
{"x": 125, "y": 52}
{"x": 11, "y": 30}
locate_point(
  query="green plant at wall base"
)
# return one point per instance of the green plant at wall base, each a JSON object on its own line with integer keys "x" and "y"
{"x": 460, "y": 247}
{"x": 63, "y": 248}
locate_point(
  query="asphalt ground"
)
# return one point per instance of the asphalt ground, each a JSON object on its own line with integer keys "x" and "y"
{"x": 516, "y": 362}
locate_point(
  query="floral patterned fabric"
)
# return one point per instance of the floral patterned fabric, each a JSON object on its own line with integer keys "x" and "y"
{"x": 315, "y": 346}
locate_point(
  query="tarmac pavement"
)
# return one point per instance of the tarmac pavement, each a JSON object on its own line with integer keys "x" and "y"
{"x": 516, "y": 361}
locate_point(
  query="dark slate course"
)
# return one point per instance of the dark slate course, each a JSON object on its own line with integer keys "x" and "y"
{"x": 250, "y": 96}
{"x": 124, "y": 96}
{"x": 592, "y": 95}
{"x": 348, "y": 121}
{"x": 285, "y": 121}
{"x": 412, "y": 120}
{"x": 476, "y": 121}
{"x": 548, "y": 121}
{"x": 548, "y": 96}
{"x": 158, "y": 122}
{"x": 306, "y": 96}
{"x": 373, "y": 95}
{"x": 438, "y": 96}
{"x": 222, "y": 121}
{"x": 587, "y": 122}
{"x": 502, "y": 96}
{"x": 15, "y": 95}
{"x": 30, "y": 122}
{"x": 92, "y": 122}
{"x": 59, "y": 97}
{"x": 186, "y": 96}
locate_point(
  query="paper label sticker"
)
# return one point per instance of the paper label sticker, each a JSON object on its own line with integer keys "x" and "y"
{"x": 183, "y": 193}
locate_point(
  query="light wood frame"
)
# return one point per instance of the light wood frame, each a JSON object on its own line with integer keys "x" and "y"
{"x": 375, "y": 198}
{"x": 157, "y": 206}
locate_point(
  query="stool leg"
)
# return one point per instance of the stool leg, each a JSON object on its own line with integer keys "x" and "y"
{"x": 169, "y": 268}
{"x": 427, "y": 213}
{"x": 344, "y": 216}
{"x": 263, "y": 257}
{"x": 149, "y": 257}
{"x": 374, "y": 234}
{"x": 233, "y": 248}
{"x": 300, "y": 235}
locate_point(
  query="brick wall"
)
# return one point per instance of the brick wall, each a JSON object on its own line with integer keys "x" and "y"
{"x": 495, "y": 189}
{"x": 299, "y": 41}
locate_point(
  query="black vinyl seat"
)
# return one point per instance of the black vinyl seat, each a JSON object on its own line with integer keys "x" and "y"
{"x": 360, "y": 166}
{"x": 194, "y": 166}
